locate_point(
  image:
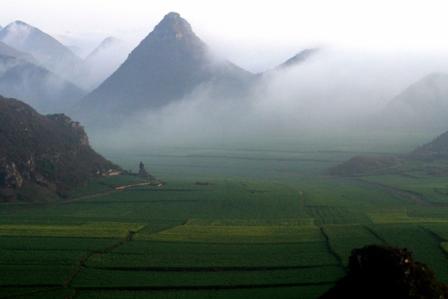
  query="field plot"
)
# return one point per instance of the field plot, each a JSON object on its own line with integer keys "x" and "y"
{"x": 54, "y": 243}
{"x": 36, "y": 293}
{"x": 260, "y": 293}
{"x": 94, "y": 278}
{"x": 236, "y": 234}
{"x": 207, "y": 238}
{"x": 92, "y": 230}
{"x": 434, "y": 190}
{"x": 346, "y": 193}
{"x": 191, "y": 256}
{"x": 344, "y": 238}
{"x": 31, "y": 275}
{"x": 406, "y": 215}
{"x": 440, "y": 229}
{"x": 336, "y": 215}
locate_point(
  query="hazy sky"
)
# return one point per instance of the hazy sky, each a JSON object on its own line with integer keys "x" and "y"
{"x": 255, "y": 34}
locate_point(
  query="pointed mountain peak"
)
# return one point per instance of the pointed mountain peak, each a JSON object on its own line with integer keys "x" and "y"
{"x": 19, "y": 22}
{"x": 172, "y": 15}
{"x": 173, "y": 25}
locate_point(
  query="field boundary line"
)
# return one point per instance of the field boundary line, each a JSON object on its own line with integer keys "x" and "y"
{"x": 31, "y": 292}
{"x": 438, "y": 238}
{"x": 208, "y": 287}
{"x": 210, "y": 269}
{"x": 331, "y": 249}
{"x": 82, "y": 262}
{"x": 375, "y": 234}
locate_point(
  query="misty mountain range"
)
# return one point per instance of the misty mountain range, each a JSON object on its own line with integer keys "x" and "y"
{"x": 172, "y": 65}
{"x": 39, "y": 69}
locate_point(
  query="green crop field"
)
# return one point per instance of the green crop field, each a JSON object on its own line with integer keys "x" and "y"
{"x": 243, "y": 223}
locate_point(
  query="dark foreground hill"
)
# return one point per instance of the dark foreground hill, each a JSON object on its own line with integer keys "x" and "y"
{"x": 384, "y": 272}
{"x": 43, "y": 156}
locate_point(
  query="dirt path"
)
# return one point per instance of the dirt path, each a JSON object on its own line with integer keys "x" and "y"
{"x": 112, "y": 191}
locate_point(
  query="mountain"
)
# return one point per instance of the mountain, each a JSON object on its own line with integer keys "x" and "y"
{"x": 436, "y": 149}
{"x": 39, "y": 87}
{"x": 49, "y": 52}
{"x": 423, "y": 105}
{"x": 6, "y": 50}
{"x": 105, "y": 59}
{"x": 300, "y": 57}
{"x": 169, "y": 64}
{"x": 42, "y": 157}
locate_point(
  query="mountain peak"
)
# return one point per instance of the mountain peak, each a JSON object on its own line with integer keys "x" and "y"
{"x": 172, "y": 15}
{"x": 18, "y": 25}
{"x": 173, "y": 25}
{"x": 19, "y": 22}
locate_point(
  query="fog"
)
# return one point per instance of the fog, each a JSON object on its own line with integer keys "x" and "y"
{"x": 370, "y": 52}
{"x": 335, "y": 89}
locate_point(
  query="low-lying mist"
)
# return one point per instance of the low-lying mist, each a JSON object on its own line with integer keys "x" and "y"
{"x": 335, "y": 90}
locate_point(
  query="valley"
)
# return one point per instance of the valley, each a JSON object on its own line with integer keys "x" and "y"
{"x": 276, "y": 224}
{"x": 144, "y": 156}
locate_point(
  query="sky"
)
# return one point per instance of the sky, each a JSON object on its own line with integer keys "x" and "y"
{"x": 254, "y": 34}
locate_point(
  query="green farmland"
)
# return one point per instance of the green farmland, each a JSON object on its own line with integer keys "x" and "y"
{"x": 259, "y": 225}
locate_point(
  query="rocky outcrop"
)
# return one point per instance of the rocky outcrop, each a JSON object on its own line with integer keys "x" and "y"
{"x": 43, "y": 153}
{"x": 385, "y": 272}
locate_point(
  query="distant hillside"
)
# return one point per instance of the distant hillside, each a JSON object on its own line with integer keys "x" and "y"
{"x": 361, "y": 165}
{"x": 105, "y": 59}
{"x": 165, "y": 67}
{"x": 437, "y": 149}
{"x": 43, "y": 156}
{"x": 37, "y": 86}
{"x": 423, "y": 105}
{"x": 368, "y": 165}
